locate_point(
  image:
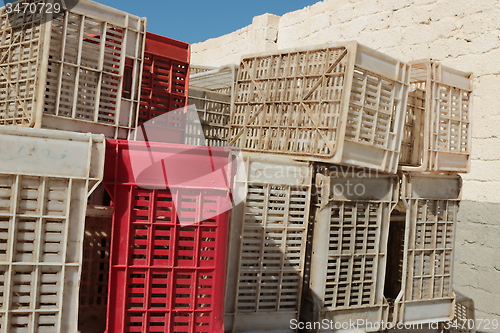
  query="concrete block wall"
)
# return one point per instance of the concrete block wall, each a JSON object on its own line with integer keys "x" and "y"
{"x": 463, "y": 34}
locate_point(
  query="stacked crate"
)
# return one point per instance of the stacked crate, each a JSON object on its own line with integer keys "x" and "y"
{"x": 168, "y": 245}
{"x": 435, "y": 148}
{"x": 318, "y": 107}
{"x": 211, "y": 91}
{"x": 45, "y": 178}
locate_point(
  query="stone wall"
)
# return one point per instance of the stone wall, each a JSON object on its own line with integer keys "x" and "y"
{"x": 463, "y": 34}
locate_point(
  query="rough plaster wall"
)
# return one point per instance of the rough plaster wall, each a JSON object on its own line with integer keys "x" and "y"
{"x": 463, "y": 34}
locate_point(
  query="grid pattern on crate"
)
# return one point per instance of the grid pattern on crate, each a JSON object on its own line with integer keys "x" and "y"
{"x": 353, "y": 254}
{"x": 292, "y": 103}
{"x": 39, "y": 252}
{"x": 272, "y": 248}
{"x": 88, "y": 66}
{"x": 447, "y": 113}
{"x": 95, "y": 271}
{"x": 164, "y": 89}
{"x": 19, "y": 60}
{"x": 213, "y": 110}
{"x": 166, "y": 277}
{"x": 430, "y": 248}
{"x": 412, "y": 144}
{"x": 464, "y": 319}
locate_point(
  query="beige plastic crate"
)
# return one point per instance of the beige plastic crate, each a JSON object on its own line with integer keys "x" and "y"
{"x": 465, "y": 316}
{"x": 343, "y": 103}
{"x": 437, "y": 134}
{"x": 211, "y": 92}
{"x": 267, "y": 245}
{"x": 349, "y": 248}
{"x": 77, "y": 72}
{"x": 45, "y": 178}
{"x": 430, "y": 208}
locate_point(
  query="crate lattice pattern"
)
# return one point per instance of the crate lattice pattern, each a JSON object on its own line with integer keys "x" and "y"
{"x": 273, "y": 245}
{"x": 353, "y": 254}
{"x": 95, "y": 273}
{"x": 412, "y": 143}
{"x": 169, "y": 271}
{"x": 291, "y": 103}
{"x": 213, "y": 112}
{"x": 429, "y": 254}
{"x": 19, "y": 61}
{"x": 163, "y": 90}
{"x": 39, "y": 260}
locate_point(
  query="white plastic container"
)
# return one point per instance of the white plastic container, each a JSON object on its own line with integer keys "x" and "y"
{"x": 211, "y": 91}
{"x": 349, "y": 248}
{"x": 267, "y": 245}
{"x": 342, "y": 104}
{"x": 438, "y": 132}
{"x": 78, "y": 72}
{"x": 465, "y": 316}
{"x": 431, "y": 203}
{"x": 45, "y": 178}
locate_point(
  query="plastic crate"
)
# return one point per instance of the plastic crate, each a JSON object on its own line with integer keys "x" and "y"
{"x": 45, "y": 177}
{"x": 211, "y": 92}
{"x": 430, "y": 216}
{"x": 267, "y": 245}
{"x": 166, "y": 276}
{"x": 349, "y": 247}
{"x": 77, "y": 72}
{"x": 465, "y": 317}
{"x": 95, "y": 271}
{"x": 164, "y": 88}
{"x": 341, "y": 103}
{"x": 437, "y": 127}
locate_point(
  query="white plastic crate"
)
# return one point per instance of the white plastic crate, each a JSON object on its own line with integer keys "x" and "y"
{"x": 267, "y": 245}
{"x": 95, "y": 271}
{"x": 431, "y": 203}
{"x": 76, "y": 72}
{"x": 45, "y": 177}
{"x": 437, "y": 127}
{"x": 349, "y": 247}
{"x": 465, "y": 316}
{"x": 341, "y": 103}
{"x": 211, "y": 91}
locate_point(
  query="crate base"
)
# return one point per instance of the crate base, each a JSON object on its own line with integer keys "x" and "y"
{"x": 277, "y": 322}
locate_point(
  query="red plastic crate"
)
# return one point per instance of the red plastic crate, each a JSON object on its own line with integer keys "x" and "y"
{"x": 165, "y": 81}
{"x": 167, "y": 276}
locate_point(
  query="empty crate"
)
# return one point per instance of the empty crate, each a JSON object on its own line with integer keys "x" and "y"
{"x": 79, "y": 71}
{"x": 437, "y": 134}
{"x": 465, "y": 317}
{"x": 211, "y": 92}
{"x": 342, "y": 104}
{"x": 349, "y": 248}
{"x": 45, "y": 177}
{"x": 168, "y": 245}
{"x": 430, "y": 217}
{"x": 164, "y": 87}
{"x": 267, "y": 245}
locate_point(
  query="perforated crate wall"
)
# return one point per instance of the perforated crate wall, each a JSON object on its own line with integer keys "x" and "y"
{"x": 95, "y": 272}
{"x": 83, "y": 76}
{"x": 340, "y": 104}
{"x": 42, "y": 211}
{"x": 349, "y": 250}
{"x": 438, "y": 119}
{"x": 166, "y": 277}
{"x": 164, "y": 87}
{"x": 432, "y": 204}
{"x": 267, "y": 245}
{"x": 464, "y": 320}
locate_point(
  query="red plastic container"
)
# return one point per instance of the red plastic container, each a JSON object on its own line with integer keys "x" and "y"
{"x": 165, "y": 82}
{"x": 167, "y": 270}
